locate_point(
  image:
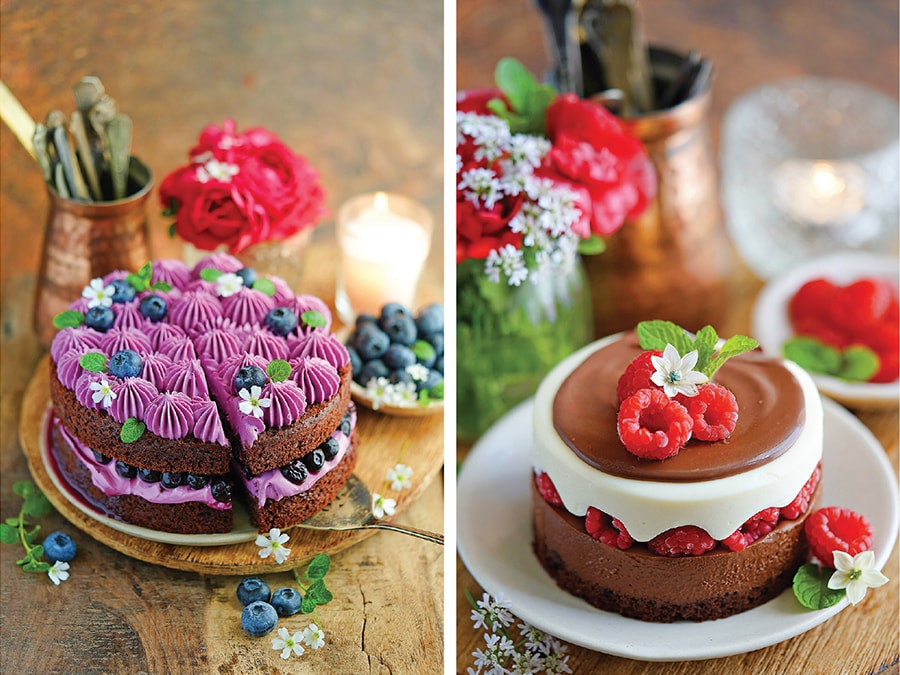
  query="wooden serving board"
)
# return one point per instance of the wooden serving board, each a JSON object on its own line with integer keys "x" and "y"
{"x": 381, "y": 439}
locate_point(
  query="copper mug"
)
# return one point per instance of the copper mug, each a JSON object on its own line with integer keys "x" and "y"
{"x": 85, "y": 240}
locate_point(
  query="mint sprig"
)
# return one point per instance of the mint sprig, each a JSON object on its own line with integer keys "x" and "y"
{"x": 313, "y": 319}
{"x": 140, "y": 280}
{"x": 528, "y": 98}
{"x": 132, "y": 429}
{"x": 811, "y": 587}
{"x": 94, "y": 362}
{"x": 710, "y": 356}
{"x": 68, "y": 319}
{"x": 17, "y": 530}
{"x": 265, "y": 286}
{"x": 855, "y": 363}
{"x": 316, "y": 592}
{"x": 210, "y": 274}
{"x": 278, "y": 370}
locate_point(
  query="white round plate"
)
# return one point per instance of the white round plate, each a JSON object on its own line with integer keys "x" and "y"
{"x": 771, "y": 325}
{"x": 496, "y": 480}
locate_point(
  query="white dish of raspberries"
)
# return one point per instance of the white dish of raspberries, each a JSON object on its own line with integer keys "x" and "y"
{"x": 772, "y": 325}
{"x": 496, "y": 479}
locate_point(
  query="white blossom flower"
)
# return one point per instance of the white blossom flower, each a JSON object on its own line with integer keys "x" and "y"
{"x": 402, "y": 394}
{"x": 314, "y": 636}
{"x": 273, "y": 544}
{"x": 417, "y": 372}
{"x": 252, "y": 404}
{"x": 98, "y": 294}
{"x": 287, "y": 643}
{"x": 213, "y": 169}
{"x": 481, "y": 185}
{"x": 228, "y": 284}
{"x": 676, "y": 374}
{"x": 509, "y": 260}
{"x": 58, "y": 572}
{"x": 103, "y": 392}
{"x": 376, "y": 390}
{"x": 495, "y": 610}
{"x": 382, "y": 506}
{"x": 856, "y": 574}
{"x": 400, "y": 477}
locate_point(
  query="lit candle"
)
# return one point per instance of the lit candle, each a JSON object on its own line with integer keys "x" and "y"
{"x": 819, "y": 192}
{"x": 384, "y": 240}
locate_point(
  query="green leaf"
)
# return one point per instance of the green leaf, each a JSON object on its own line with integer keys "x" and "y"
{"x": 136, "y": 282}
{"x": 33, "y": 564}
{"x": 68, "y": 319}
{"x": 424, "y": 351}
{"x": 8, "y": 533}
{"x": 657, "y": 334}
{"x": 705, "y": 343}
{"x": 437, "y": 391}
{"x": 173, "y": 230}
{"x": 12, "y": 522}
{"x": 24, "y": 488}
{"x": 515, "y": 81}
{"x": 318, "y": 567}
{"x": 314, "y": 319}
{"x": 140, "y": 280}
{"x": 858, "y": 364}
{"x": 307, "y": 605}
{"x": 811, "y": 587}
{"x": 94, "y": 362}
{"x": 31, "y": 536}
{"x": 811, "y": 354}
{"x": 161, "y": 286}
{"x": 132, "y": 430}
{"x": 264, "y": 285}
{"x": 594, "y": 245}
{"x": 319, "y": 593}
{"x": 209, "y": 274}
{"x": 278, "y": 370}
{"x": 734, "y": 346}
{"x": 36, "y": 505}
{"x": 172, "y": 210}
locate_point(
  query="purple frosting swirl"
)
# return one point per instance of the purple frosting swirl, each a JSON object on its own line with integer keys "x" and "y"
{"x": 80, "y": 305}
{"x": 207, "y": 423}
{"x": 187, "y": 377}
{"x": 178, "y": 349}
{"x": 129, "y": 316}
{"x": 226, "y": 371}
{"x": 284, "y": 295}
{"x": 171, "y": 271}
{"x": 69, "y": 339}
{"x": 68, "y": 368}
{"x": 156, "y": 367}
{"x": 217, "y": 344}
{"x": 115, "y": 275}
{"x": 169, "y": 415}
{"x": 132, "y": 396}
{"x": 317, "y": 378}
{"x": 306, "y": 303}
{"x": 287, "y": 404}
{"x": 161, "y": 333}
{"x": 83, "y": 392}
{"x": 194, "y": 307}
{"x": 117, "y": 339}
{"x": 321, "y": 346}
{"x": 217, "y": 261}
{"x": 247, "y": 306}
{"x": 267, "y": 345}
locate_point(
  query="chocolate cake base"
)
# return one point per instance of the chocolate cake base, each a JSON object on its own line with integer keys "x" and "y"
{"x": 639, "y": 584}
{"x": 293, "y": 510}
{"x": 186, "y": 518}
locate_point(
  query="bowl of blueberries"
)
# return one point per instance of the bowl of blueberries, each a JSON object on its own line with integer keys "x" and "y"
{"x": 398, "y": 359}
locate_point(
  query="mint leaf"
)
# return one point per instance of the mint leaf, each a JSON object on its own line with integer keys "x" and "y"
{"x": 437, "y": 391}
{"x": 140, "y": 280}
{"x": 515, "y": 81}
{"x": 8, "y": 534}
{"x": 24, "y": 488}
{"x": 209, "y": 274}
{"x": 705, "y": 343}
{"x": 811, "y": 587}
{"x": 36, "y": 504}
{"x": 657, "y": 334}
{"x": 858, "y": 364}
{"x": 314, "y": 319}
{"x": 318, "y": 567}
{"x": 811, "y": 354}
{"x": 591, "y": 246}
{"x": 528, "y": 99}
{"x": 424, "y": 351}
{"x": 68, "y": 319}
{"x": 264, "y": 286}
{"x": 132, "y": 430}
{"x": 161, "y": 286}
{"x": 734, "y": 346}
{"x": 278, "y": 370}
{"x": 94, "y": 362}
{"x": 308, "y": 604}
{"x": 319, "y": 593}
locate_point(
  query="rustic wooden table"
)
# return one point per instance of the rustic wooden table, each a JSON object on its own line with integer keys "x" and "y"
{"x": 357, "y": 89}
{"x": 749, "y": 43}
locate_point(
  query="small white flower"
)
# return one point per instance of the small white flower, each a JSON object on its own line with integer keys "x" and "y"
{"x": 400, "y": 477}
{"x": 273, "y": 544}
{"x": 287, "y": 643}
{"x": 228, "y": 284}
{"x": 856, "y": 574}
{"x": 376, "y": 390}
{"x": 59, "y": 572}
{"x": 676, "y": 374}
{"x": 496, "y": 611}
{"x": 213, "y": 169}
{"x": 402, "y": 394}
{"x": 102, "y": 392}
{"x": 417, "y": 372}
{"x": 314, "y": 636}
{"x": 97, "y": 294}
{"x": 510, "y": 261}
{"x": 382, "y": 507}
{"x": 252, "y": 404}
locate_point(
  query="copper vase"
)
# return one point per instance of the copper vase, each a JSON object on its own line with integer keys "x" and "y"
{"x": 84, "y": 240}
{"x": 674, "y": 261}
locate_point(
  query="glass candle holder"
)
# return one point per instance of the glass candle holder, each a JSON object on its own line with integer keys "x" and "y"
{"x": 384, "y": 240}
{"x": 810, "y": 166}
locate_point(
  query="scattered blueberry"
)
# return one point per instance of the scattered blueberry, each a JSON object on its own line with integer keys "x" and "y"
{"x": 399, "y": 376}
{"x": 439, "y": 364}
{"x": 400, "y": 328}
{"x": 153, "y": 307}
{"x": 99, "y": 318}
{"x": 433, "y": 379}
{"x": 221, "y": 491}
{"x": 171, "y": 479}
{"x": 431, "y": 319}
{"x": 345, "y": 424}
{"x": 124, "y": 291}
{"x": 58, "y": 546}
{"x": 314, "y": 460}
{"x": 101, "y": 458}
{"x": 248, "y": 377}
{"x": 125, "y": 363}
{"x": 371, "y": 342}
{"x": 372, "y": 369}
{"x": 436, "y": 340}
{"x": 259, "y": 618}
{"x": 125, "y": 470}
{"x": 286, "y": 601}
{"x": 365, "y": 319}
{"x": 281, "y": 320}
{"x": 247, "y": 275}
{"x": 355, "y": 360}
{"x": 149, "y": 475}
{"x": 197, "y": 481}
{"x": 392, "y": 309}
{"x": 398, "y": 357}
{"x": 295, "y": 471}
{"x": 253, "y": 589}
{"x": 330, "y": 447}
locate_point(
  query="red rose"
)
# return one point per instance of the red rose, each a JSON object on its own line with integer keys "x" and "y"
{"x": 479, "y": 230}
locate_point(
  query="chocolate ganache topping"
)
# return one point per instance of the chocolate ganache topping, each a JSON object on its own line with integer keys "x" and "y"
{"x": 771, "y": 415}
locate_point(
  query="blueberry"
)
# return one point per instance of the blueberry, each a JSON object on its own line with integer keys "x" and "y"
{"x": 221, "y": 491}
{"x": 99, "y": 318}
{"x": 197, "y": 481}
{"x": 314, "y": 460}
{"x": 259, "y": 618}
{"x": 355, "y": 360}
{"x": 153, "y": 307}
{"x": 399, "y": 376}
{"x": 439, "y": 364}
{"x": 286, "y": 601}
{"x": 365, "y": 319}
{"x": 247, "y": 275}
{"x": 149, "y": 475}
{"x": 330, "y": 447}
{"x": 126, "y": 363}
{"x": 101, "y": 458}
{"x": 58, "y": 546}
{"x": 281, "y": 320}
{"x": 345, "y": 424}
{"x": 172, "y": 479}
{"x": 371, "y": 342}
{"x": 373, "y": 369}
{"x": 253, "y": 589}
{"x": 248, "y": 377}
{"x": 431, "y": 319}
{"x": 398, "y": 357}
{"x": 436, "y": 340}
{"x": 433, "y": 379}
{"x": 295, "y": 471}
{"x": 400, "y": 328}
{"x": 124, "y": 291}
{"x": 125, "y": 470}
{"x": 393, "y": 308}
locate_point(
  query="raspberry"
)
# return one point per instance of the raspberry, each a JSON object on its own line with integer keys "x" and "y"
{"x": 682, "y": 541}
{"x": 607, "y": 530}
{"x": 862, "y": 302}
{"x": 637, "y": 375}
{"x": 548, "y": 489}
{"x": 801, "y": 502}
{"x": 756, "y": 526}
{"x": 653, "y": 426}
{"x": 837, "y": 529}
{"x": 714, "y": 412}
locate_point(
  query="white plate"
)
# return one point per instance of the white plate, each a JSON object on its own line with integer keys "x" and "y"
{"x": 495, "y": 481}
{"x": 772, "y": 327}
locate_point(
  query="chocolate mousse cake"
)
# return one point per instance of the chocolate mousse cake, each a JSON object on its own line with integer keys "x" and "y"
{"x": 708, "y": 529}
{"x": 173, "y": 387}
